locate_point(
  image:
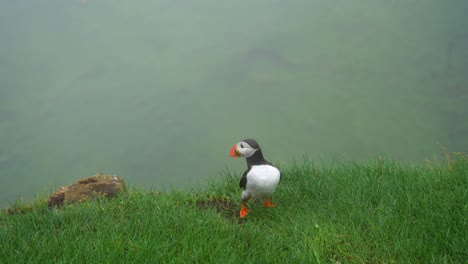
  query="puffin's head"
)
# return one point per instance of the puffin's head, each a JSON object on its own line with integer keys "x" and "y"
{"x": 245, "y": 148}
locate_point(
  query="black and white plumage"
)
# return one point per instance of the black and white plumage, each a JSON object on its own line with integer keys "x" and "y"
{"x": 260, "y": 179}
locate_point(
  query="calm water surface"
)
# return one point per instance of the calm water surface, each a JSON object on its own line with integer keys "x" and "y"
{"x": 158, "y": 91}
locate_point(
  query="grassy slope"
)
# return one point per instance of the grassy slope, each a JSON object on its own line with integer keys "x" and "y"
{"x": 349, "y": 213}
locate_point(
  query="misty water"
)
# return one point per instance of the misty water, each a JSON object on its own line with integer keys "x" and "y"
{"x": 157, "y": 92}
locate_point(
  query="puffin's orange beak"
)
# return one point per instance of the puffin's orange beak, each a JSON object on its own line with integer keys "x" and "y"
{"x": 234, "y": 152}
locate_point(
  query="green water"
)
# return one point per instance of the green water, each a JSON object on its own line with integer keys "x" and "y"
{"x": 158, "y": 91}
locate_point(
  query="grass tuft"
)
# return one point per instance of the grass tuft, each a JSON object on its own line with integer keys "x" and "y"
{"x": 346, "y": 212}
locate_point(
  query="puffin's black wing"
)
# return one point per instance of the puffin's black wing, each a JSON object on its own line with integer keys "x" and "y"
{"x": 243, "y": 181}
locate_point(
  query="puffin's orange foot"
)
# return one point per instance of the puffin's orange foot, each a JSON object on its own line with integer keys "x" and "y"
{"x": 268, "y": 204}
{"x": 244, "y": 211}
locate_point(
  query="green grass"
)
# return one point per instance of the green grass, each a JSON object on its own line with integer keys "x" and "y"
{"x": 374, "y": 212}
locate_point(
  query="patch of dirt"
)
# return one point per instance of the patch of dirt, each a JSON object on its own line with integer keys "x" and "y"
{"x": 222, "y": 206}
{"x": 19, "y": 210}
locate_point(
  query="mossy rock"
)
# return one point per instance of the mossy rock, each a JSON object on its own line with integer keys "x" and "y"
{"x": 99, "y": 185}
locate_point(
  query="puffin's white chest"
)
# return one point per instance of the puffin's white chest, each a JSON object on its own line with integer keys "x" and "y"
{"x": 262, "y": 181}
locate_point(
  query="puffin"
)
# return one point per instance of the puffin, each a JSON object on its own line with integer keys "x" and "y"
{"x": 261, "y": 177}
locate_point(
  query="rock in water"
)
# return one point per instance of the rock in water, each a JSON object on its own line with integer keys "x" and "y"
{"x": 99, "y": 185}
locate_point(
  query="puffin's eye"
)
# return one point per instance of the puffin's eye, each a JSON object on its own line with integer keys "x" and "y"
{"x": 242, "y": 146}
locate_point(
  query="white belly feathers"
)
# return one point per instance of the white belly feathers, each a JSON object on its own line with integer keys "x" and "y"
{"x": 262, "y": 181}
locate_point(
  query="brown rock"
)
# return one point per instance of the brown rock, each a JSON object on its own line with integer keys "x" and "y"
{"x": 100, "y": 185}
